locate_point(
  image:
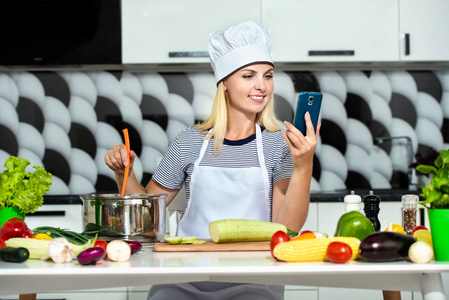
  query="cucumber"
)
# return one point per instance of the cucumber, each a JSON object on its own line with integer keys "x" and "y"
{"x": 173, "y": 240}
{"x": 11, "y": 254}
{"x": 188, "y": 239}
{"x": 243, "y": 230}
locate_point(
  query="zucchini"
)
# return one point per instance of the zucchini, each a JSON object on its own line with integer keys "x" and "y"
{"x": 11, "y": 254}
{"x": 243, "y": 230}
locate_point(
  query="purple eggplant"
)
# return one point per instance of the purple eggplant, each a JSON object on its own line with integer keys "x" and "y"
{"x": 385, "y": 246}
{"x": 91, "y": 256}
{"x": 135, "y": 246}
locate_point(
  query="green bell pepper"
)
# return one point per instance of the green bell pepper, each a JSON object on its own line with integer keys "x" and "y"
{"x": 354, "y": 224}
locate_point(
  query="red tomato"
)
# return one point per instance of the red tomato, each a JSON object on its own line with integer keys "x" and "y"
{"x": 2, "y": 244}
{"x": 103, "y": 244}
{"x": 14, "y": 227}
{"x": 28, "y": 234}
{"x": 3, "y": 237}
{"x": 419, "y": 227}
{"x": 278, "y": 237}
{"x": 338, "y": 252}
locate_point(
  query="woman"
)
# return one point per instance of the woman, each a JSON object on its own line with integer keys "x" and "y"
{"x": 238, "y": 163}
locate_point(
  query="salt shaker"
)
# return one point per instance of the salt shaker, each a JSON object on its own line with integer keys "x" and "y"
{"x": 372, "y": 208}
{"x": 352, "y": 202}
{"x": 409, "y": 208}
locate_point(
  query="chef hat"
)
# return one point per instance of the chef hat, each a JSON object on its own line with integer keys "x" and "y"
{"x": 238, "y": 46}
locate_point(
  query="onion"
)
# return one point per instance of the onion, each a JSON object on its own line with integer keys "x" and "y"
{"x": 135, "y": 246}
{"x": 90, "y": 256}
{"x": 118, "y": 250}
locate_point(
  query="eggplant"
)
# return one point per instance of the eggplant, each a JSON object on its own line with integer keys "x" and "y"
{"x": 385, "y": 246}
{"x": 90, "y": 256}
{"x": 135, "y": 246}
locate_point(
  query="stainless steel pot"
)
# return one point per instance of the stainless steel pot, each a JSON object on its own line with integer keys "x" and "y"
{"x": 132, "y": 216}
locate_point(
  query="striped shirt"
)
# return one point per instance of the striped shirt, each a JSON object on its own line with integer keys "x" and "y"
{"x": 175, "y": 169}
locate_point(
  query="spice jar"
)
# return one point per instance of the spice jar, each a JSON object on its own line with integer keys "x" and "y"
{"x": 409, "y": 208}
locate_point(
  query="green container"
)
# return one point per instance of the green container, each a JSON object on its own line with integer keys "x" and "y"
{"x": 9, "y": 213}
{"x": 439, "y": 224}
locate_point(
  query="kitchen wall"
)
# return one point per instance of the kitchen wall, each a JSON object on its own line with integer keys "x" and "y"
{"x": 66, "y": 121}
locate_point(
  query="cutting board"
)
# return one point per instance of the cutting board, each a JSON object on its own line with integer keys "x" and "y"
{"x": 211, "y": 246}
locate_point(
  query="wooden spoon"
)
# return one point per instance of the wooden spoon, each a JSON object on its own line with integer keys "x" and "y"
{"x": 125, "y": 179}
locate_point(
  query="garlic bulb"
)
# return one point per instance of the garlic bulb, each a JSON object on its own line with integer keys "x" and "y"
{"x": 60, "y": 250}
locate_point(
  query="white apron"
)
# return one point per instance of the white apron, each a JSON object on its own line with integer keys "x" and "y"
{"x": 225, "y": 193}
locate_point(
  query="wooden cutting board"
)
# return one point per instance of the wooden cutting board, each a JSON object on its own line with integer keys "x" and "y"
{"x": 211, "y": 246}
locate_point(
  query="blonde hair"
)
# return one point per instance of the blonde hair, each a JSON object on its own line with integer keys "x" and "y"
{"x": 215, "y": 125}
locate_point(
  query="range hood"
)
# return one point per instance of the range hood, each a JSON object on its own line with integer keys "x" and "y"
{"x": 55, "y": 33}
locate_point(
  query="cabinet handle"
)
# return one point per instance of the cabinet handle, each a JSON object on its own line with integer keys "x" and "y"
{"x": 407, "y": 44}
{"x": 331, "y": 52}
{"x": 188, "y": 54}
{"x": 47, "y": 213}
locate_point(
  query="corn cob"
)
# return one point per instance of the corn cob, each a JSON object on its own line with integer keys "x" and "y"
{"x": 312, "y": 250}
{"x": 39, "y": 248}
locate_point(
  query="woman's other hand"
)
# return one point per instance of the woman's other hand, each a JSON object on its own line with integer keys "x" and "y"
{"x": 302, "y": 147}
{"x": 117, "y": 159}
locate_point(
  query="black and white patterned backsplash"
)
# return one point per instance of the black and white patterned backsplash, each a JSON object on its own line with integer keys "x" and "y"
{"x": 373, "y": 122}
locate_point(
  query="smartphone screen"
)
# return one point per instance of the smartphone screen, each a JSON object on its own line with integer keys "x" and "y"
{"x": 307, "y": 102}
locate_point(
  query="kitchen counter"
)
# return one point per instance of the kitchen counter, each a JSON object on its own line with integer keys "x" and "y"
{"x": 148, "y": 267}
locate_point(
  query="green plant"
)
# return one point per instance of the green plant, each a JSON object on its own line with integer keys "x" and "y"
{"x": 436, "y": 195}
{"x": 23, "y": 189}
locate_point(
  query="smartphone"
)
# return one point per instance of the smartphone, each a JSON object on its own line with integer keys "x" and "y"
{"x": 307, "y": 102}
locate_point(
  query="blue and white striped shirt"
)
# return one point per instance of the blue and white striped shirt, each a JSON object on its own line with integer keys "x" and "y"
{"x": 176, "y": 167}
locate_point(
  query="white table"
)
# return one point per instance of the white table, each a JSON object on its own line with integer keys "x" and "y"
{"x": 148, "y": 267}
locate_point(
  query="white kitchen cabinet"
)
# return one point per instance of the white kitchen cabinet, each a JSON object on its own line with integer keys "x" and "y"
{"x": 177, "y": 31}
{"x": 423, "y": 30}
{"x": 67, "y": 216}
{"x": 97, "y": 294}
{"x": 332, "y": 31}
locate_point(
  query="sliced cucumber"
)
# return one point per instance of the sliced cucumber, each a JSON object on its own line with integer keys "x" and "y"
{"x": 188, "y": 239}
{"x": 173, "y": 240}
{"x": 200, "y": 242}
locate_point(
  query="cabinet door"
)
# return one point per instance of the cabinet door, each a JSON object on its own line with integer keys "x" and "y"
{"x": 177, "y": 31}
{"x": 423, "y": 29}
{"x": 332, "y": 30}
{"x": 67, "y": 216}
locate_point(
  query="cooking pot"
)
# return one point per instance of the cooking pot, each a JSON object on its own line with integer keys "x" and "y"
{"x": 133, "y": 216}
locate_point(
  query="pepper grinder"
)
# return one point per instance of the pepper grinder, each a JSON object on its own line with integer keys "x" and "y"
{"x": 371, "y": 208}
{"x": 352, "y": 202}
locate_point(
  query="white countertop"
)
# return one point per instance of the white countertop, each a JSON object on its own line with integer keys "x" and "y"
{"x": 148, "y": 267}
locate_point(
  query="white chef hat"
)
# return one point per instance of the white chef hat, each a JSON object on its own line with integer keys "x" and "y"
{"x": 238, "y": 46}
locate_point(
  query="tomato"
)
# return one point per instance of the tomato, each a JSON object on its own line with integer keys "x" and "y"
{"x": 338, "y": 252}
{"x": 101, "y": 243}
{"x": 14, "y": 227}
{"x": 2, "y": 244}
{"x": 419, "y": 227}
{"x": 3, "y": 237}
{"x": 277, "y": 238}
{"x": 28, "y": 234}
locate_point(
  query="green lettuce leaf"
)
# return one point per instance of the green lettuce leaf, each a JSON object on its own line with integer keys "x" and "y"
{"x": 22, "y": 189}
